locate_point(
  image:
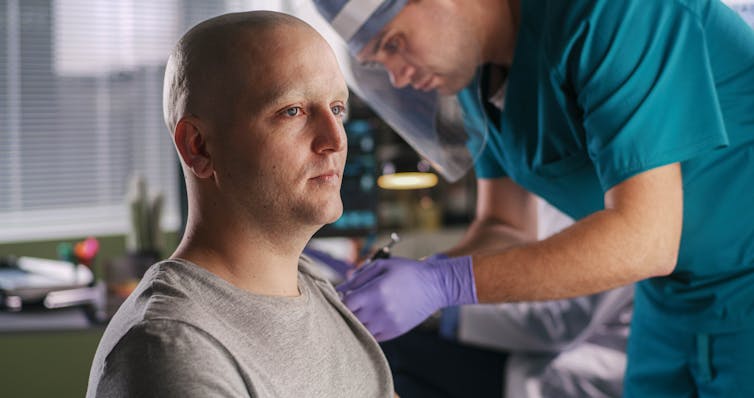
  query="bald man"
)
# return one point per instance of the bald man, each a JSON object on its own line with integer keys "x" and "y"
{"x": 255, "y": 104}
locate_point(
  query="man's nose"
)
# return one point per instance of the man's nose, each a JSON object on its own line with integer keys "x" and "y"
{"x": 400, "y": 71}
{"x": 330, "y": 134}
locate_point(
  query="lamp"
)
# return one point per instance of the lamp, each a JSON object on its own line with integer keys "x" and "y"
{"x": 405, "y": 173}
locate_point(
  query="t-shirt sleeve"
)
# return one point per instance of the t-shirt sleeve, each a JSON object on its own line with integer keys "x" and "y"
{"x": 169, "y": 359}
{"x": 646, "y": 89}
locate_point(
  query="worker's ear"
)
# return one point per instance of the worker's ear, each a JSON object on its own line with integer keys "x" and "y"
{"x": 191, "y": 142}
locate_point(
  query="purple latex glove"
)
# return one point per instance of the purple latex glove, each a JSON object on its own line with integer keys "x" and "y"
{"x": 436, "y": 256}
{"x": 391, "y": 296}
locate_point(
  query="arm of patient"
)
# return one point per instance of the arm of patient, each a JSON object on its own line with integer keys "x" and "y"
{"x": 165, "y": 358}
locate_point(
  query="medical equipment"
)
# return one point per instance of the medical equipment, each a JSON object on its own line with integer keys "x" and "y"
{"x": 384, "y": 251}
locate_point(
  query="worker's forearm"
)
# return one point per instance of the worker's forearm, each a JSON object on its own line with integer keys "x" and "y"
{"x": 488, "y": 237}
{"x": 602, "y": 251}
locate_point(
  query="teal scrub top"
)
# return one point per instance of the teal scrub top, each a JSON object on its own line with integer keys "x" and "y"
{"x": 601, "y": 90}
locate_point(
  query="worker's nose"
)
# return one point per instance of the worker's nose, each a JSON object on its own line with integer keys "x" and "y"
{"x": 330, "y": 135}
{"x": 400, "y": 71}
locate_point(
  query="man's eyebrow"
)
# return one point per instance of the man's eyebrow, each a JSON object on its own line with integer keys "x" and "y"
{"x": 280, "y": 95}
{"x": 276, "y": 96}
{"x": 376, "y": 47}
{"x": 344, "y": 94}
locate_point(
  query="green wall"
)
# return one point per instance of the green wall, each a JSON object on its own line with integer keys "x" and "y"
{"x": 46, "y": 364}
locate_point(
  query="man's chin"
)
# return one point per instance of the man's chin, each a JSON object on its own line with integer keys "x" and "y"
{"x": 336, "y": 214}
{"x": 442, "y": 90}
{"x": 326, "y": 214}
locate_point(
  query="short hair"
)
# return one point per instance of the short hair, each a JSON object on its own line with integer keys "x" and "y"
{"x": 203, "y": 67}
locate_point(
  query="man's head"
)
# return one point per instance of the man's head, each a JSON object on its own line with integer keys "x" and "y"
{"x": 427, "y": 44}
{"x": 255, "y": 103}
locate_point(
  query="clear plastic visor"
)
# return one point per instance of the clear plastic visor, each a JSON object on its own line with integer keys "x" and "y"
{"x": 435, "y": 125}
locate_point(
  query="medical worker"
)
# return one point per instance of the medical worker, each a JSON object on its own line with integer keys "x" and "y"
{"x": 634, "y": 117}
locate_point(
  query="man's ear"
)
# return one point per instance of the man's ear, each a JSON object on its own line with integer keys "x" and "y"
{"x": 191, "y": 142}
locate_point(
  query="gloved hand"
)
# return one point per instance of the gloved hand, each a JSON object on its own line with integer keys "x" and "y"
{"x": 449, "y": 316}
{"x": 391, "y": 296}
{"x": 436, "y": 256}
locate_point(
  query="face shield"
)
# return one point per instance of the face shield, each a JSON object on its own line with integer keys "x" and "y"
{"x": 433, "y": 124}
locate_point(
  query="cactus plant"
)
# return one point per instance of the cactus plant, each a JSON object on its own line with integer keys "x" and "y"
{"x": 144, "y": 235}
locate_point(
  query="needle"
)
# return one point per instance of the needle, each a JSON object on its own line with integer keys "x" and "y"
{"x": 384, "y": 252}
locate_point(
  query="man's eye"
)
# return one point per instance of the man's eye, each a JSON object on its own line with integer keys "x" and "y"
{"x": 391, "y": 46}
{"x": 338, "y": 110}
{"x": 293, "y": 111}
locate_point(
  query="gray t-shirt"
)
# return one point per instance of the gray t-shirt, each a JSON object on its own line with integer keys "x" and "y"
{"x": 184, "y": 332}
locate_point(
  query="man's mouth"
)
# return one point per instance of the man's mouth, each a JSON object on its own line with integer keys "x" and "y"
{"x": 329, "y": 176}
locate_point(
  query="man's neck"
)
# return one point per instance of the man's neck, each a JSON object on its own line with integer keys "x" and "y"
{"x": 260, "y": 261}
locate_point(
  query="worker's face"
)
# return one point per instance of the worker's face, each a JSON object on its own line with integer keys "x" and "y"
{"x": 427, "y": 47}
{"x": 283, "y": 153}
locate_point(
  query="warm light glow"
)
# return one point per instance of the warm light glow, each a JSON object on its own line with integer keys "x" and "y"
{"x": 407, "y": 181}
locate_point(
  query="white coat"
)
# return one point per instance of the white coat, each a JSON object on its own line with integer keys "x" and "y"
{"x": 561, "y": 348}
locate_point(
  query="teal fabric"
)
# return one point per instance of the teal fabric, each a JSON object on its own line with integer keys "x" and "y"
{"x": 601, "y": 90}
{"x": 670, "y": 360}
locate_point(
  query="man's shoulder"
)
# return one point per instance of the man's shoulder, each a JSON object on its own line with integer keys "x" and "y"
{"x": 309, "y": 270}
{"x": 167, "y": 293}
{"x": 165, "y": 313}
{"x": 168, "y": 290}
{"x": 173, "y": 357}
{"x": 165, "y": 337}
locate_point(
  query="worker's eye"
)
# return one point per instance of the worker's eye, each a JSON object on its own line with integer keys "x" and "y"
{"x": 338, "y": 110}
{"x": 293, "y": 111}
{"x": 392, "y": 45}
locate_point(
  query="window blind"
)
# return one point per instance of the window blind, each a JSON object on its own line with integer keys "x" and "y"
{"x": 81, "y": 110}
